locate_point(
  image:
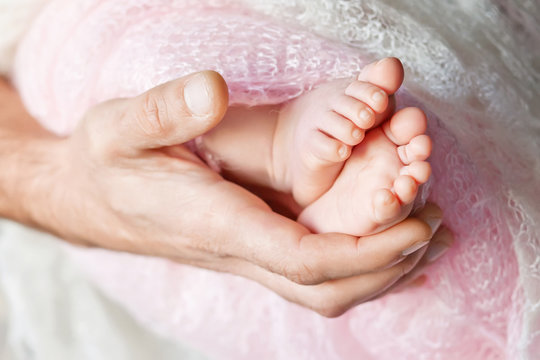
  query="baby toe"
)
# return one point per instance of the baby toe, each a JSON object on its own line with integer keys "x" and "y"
{"x": 418, "y": 149}
{"x": 323, "y": 149}
{"x": 356, "y": 111}
{"x": 386, "y": 206}
{"x": 420, "y": 171}
{"x": 405, "y": 125}
{"x": 341, "y": 129}
{"x": 405, "y": 188}
{"x": 375, "y": 97}
{"x": 387, "y": 74}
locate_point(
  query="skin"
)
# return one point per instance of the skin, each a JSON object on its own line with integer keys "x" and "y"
{"x": 122, "y": 182}
{"x": 295, "y": 148}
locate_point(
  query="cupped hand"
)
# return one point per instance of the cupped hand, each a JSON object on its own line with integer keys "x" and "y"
{"x": 129, "y": 183}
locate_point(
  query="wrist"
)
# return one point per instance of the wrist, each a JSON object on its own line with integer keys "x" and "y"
{"x": 31, "y": 163}
{"x": 29, "y": 179}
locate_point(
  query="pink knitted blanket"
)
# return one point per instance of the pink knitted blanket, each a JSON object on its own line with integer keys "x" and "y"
{"x": 79, "y": 53}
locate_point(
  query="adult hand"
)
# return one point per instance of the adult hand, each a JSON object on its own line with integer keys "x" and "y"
{"x": 441, "y": 241}
{"x": 122, "y": 181}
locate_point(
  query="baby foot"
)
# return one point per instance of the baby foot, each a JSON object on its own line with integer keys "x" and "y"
{"x": 316, "y": 132}
{"x": 379, "y": 182}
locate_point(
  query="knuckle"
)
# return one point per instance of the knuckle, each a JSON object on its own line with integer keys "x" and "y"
{"x": 208, "y": 246}
{"x": 328, "y": 302}
{"x": 302, "y": 273}
{"x": 97, "y": 143}
{"x": 331, "y": 312}
{"x": 152, "y": 114}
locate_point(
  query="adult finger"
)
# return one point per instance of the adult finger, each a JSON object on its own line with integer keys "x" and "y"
{"x": 169, "y": 114}
{"x": 331, "y": 298}
{"x": 439, "y": 245}
{"x": 442, "y": 241}
{"x": 288, "y": 249}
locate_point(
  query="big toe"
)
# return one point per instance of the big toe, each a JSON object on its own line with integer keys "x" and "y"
{"x": 386, "y": 73}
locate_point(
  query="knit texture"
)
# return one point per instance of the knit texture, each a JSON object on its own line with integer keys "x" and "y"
{"x": 481, "y": 301}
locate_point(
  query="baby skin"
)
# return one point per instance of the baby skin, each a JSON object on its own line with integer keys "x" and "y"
{"x": 351, "y": 165}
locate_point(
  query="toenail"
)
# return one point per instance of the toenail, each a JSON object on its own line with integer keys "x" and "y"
{"x": 356, "y": 133}
{"x": 365, "y": 115}
{"x": 342, "y": 151}
{"x": 388, "y": 198}
{"x": 377, "y": 96}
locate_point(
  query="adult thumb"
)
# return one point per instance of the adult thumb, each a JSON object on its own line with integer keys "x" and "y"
{"x": 169, "y": 114}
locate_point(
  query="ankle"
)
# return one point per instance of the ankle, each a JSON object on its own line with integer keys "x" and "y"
{"x": 240, "y": 147}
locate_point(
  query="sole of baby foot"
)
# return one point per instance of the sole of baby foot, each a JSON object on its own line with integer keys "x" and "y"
{"x": 379, "y": 182}
{"x": 326, "y": 123}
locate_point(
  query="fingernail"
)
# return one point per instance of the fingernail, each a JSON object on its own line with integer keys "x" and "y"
{"x": 197, "y": 95}
{"x": 435, "y": 251}
{"x": 434, "y": 223}
{"x": 439, "y": 245}
{"x": 414, "y": 248}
